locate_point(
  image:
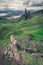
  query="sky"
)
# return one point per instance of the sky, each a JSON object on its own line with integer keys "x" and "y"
{"x": 21, "y": 4}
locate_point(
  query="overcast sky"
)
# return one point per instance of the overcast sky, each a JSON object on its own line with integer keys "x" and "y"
{"x": 21, "y": 4}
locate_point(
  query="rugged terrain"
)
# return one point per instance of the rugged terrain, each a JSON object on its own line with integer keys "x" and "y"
{"x": 29, "y": 35}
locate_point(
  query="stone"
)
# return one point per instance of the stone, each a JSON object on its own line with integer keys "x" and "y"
{"x": 13, "y": 53}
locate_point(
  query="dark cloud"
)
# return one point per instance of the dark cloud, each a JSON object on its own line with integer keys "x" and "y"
{"x": 33, "y": 3}
{"x": 21, "y": 4}
{"x": 39, "y": 4}
{"x": 26, "y": 2}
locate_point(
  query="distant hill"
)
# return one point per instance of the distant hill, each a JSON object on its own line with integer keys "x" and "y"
{"x": 16, "y": 11}
{"x": 39, "y": 11}
{"x": 8, "y": 11}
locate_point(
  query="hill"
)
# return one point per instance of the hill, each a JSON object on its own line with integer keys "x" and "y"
{"x": 39, "y": 11}
{"x": 29, "y": 33}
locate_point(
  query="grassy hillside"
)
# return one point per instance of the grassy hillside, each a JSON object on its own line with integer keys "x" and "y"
{"x": 22, "y": 28}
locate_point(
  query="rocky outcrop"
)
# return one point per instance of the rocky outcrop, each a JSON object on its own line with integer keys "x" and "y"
{"x": 12, "y": 53}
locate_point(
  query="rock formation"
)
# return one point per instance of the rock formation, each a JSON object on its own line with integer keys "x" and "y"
{"x": 12, "y": 53}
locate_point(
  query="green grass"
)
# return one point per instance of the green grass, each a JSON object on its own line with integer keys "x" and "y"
{"x": 21, "y": 28}
{"x": 32, "y": 60}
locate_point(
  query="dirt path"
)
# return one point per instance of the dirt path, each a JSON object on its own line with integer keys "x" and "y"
{"x": 37, "y": 53}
